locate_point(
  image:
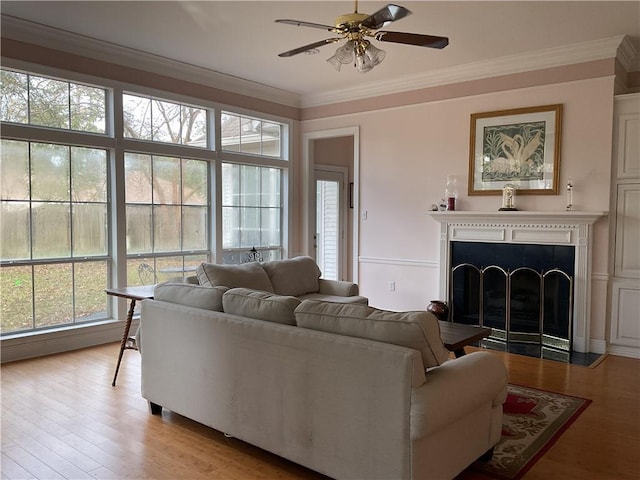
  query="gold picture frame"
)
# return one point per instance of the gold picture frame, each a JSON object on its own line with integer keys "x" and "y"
{"x": 520, "y": 147}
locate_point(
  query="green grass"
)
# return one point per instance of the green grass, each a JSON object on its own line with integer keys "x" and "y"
{"x": 52, "y": 294}
{"x": 51, "y": 287}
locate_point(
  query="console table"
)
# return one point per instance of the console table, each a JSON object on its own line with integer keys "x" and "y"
{"x": 132, "y": 294}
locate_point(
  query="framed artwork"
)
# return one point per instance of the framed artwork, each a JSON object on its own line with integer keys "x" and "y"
{"x": 519, "y": 147}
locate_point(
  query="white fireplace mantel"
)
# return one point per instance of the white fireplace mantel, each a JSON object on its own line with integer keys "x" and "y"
{"x": 571, "y": 228}
{"x": 517, "y": 217}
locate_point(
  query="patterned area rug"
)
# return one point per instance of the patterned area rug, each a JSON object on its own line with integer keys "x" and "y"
{"x": 533, "y": 421}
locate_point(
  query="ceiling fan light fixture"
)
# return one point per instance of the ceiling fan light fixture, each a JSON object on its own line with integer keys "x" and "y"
{"x": 363, "y": 65}
{"x": 374, "y": 54}
{"x": 343, "y": 56}
{"x": 355, "y": 28}
{"x": 334, "y": 62}
{"x": 368, "y": 56}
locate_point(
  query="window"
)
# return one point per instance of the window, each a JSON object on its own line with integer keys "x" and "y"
{"x": 167, "y": 198}
{"x": 163, "y": 121}
{"x": 47, "y": 102}
{"x": 250, "y": 135}
{"x": 251, "y": 211}
{"x": 54, "y": 234}
{"x": 167, "y": 210}
{"x": 59, "y": 237}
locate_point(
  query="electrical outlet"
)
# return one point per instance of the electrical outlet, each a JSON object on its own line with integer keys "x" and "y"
{"x": 392, "y": 286}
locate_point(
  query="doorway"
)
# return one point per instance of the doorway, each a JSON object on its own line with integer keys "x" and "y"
{"x": 335, "y": 148}
{"x": 330, "y": 239}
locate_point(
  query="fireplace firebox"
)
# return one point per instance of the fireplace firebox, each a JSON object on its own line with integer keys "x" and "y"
{"x": 523, "y": 292}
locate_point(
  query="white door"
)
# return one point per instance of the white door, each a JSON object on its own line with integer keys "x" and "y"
{"x": 330, "y": 235}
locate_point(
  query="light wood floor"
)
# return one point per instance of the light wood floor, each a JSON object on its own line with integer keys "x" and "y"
{"x": 62, "y": 419}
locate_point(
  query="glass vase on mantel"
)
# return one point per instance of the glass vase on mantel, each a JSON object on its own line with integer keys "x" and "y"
{"x": 451, "y": 192}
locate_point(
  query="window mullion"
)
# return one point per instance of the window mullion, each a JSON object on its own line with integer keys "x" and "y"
{"x": 29, "y": 99}
{"x": 71, "y": 229}
{"x": 69, "y": 105}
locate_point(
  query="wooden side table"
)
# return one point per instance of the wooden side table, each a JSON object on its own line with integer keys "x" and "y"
{"x": 456, "y": 336}
{"x": 132, "y": 294}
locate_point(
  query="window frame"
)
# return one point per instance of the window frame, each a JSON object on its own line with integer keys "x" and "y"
{"x": 116, "y": 144}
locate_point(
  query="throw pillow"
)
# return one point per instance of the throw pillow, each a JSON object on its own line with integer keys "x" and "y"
{"x": 419, "y": 330}
{"x": 260, "y": 305}
{"x": 293, "y": 276}
{"x": 197, "y": 296}
{"x": 246, "y": 275}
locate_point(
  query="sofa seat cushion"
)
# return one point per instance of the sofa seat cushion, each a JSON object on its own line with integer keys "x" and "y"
{"x": 321, "y": 297}
{"x": 295, "y": 276}
{"x": 207, "y": 298}
{"x": 246, "y": 275}
{"x": 260, "y": 305}
{"x": 419, "y": 330}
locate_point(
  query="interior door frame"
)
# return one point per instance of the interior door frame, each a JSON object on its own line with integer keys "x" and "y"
{"x": 308, "y": 189}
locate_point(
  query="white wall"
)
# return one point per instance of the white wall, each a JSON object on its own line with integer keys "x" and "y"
{"x": 407, "y": 152}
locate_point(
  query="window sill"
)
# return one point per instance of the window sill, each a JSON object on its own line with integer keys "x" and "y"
{"x": 25, "y": 345}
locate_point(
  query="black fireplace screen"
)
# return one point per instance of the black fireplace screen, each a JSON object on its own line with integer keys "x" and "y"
{"x": 523, "y": 292}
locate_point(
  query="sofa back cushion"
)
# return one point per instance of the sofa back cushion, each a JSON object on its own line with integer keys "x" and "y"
{"x": 294, "y": 276}
{"x": 260, "y": 305}
{"x": 247, "y": 275}
{"x": 207, "y": 298}
{"x": 419, "y": 330}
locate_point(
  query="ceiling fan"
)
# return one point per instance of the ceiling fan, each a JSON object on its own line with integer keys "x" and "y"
{"x": 355, "y": 28}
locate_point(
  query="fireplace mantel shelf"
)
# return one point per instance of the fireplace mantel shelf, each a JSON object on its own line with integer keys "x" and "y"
{"x": 518, "y": 216}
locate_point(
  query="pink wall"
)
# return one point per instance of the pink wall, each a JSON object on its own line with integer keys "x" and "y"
{"x": 407, "y": 152}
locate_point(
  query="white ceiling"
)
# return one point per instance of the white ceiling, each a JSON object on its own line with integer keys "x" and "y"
{"x": 240, "y": 38}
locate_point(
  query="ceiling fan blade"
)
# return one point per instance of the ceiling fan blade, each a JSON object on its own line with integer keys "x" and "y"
{"x": 300, "y": 23}
{"x": 385, "y": 15}
{"x": 311, "y": 46}
{"x": 413, "y": 39}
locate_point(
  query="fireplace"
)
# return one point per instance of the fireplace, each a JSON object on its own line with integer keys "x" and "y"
{"x": 527, "y": 275}
{"x": 523, "y": 292}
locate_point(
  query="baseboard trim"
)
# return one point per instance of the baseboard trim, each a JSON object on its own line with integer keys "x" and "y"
{"x": 598, "y": 346}
{"x": 62, "y": 340}
{"x": 622, "y": 351}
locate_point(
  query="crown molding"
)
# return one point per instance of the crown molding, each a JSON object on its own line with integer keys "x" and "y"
{"x": 628, "y": 56}
{"x": 30, "y": 32}
{"x": 43, "y": 35}
{"x": 511, "y": 64}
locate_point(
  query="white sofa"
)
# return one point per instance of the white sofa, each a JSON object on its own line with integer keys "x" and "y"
{"x": 298, "y": 277}
{"x": 345, "y": 389}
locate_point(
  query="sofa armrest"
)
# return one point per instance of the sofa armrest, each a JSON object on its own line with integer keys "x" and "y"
{"x": 455, "y": 389}
{"x": 337, "y": 288}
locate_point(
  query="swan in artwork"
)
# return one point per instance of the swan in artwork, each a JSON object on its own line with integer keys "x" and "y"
{"x": 517, "y": 149}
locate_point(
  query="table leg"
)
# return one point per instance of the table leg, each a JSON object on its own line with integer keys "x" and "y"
{"x": 460, "y": 352}
{"x": 125, "y": 338}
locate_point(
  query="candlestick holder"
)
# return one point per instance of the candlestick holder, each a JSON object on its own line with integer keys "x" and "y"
{"x": 569, "y": 195}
